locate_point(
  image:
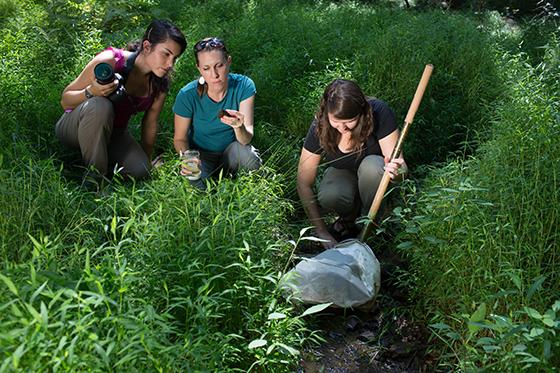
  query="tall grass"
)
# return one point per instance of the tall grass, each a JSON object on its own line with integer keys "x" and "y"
{"x": 483, "y": 234}
{"x": 159, "y": 277}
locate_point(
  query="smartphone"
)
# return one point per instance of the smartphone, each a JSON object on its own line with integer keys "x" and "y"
{"x": 223, "y": 113}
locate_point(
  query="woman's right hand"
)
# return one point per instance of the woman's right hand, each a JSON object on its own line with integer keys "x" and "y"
{"x": 329, "y": 242}
{"x": 104, "y": 90}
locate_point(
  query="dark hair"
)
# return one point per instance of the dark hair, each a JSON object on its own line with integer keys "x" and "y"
{"x": 206, "y": 45}
{"x": 159, "y": 31}
{"x": 344, "y": 99}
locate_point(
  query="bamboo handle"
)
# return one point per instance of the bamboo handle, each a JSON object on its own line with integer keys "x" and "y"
{"x": 419, "y": 93}
{"x": 396, "y": 151}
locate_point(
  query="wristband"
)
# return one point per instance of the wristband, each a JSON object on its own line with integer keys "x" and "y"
{"x": 88, "y": 93}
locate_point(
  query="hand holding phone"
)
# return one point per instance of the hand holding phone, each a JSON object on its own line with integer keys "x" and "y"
{"x": 222, "y": 113}
{"x": 234, "y": 120}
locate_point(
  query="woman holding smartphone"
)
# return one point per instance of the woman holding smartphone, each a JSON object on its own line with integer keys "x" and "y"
{"x": 214, "y": 114}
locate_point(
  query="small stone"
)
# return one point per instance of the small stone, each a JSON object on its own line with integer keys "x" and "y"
{"x": 366, "y": 336}
{"x": 352, "y": 323}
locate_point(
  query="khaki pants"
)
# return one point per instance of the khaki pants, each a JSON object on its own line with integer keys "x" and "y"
{"x": 348, "y": 193}
{"x": 89, "y": 128}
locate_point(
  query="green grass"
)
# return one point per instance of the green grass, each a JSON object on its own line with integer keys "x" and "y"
{"x": 156, "y": 276}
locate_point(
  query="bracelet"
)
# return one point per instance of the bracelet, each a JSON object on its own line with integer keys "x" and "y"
{"x": 88, "y": 93}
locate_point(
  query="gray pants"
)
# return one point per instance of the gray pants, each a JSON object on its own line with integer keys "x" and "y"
{"x": 348, "y": 193}
{"x": 234, "y": 158}
{"x": 89, "y": 128}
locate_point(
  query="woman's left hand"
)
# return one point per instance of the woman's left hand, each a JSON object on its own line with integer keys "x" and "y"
{"x": 396, "y": 168}
{"x": 235, "y": 120}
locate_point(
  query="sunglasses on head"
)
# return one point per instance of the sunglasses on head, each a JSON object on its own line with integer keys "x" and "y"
{"x": 209, "y": 43}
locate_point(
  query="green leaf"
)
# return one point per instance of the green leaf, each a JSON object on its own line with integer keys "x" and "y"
{"x": 548, "y": 321}
{"x": 37, "y": 292}
{"x": 405, "y": 245}
{"x": 292, "y": 351}
{"x": 530, "y": 359}
{"x": 101, "y": 352}
{"x": 535, "y": 332}
{"x": 515, "y": 279}
{"x": 535, "y": 286}
{"x": 9, "y": 284}
{"x": 316, "y": 308}
{"x": 276, "y": 316}
{"x": 478, "y": 316}
{"x": 453, "y": 335}
{"x": 257, "y": 343}
{"x": 556, "y": 306}
{"x": 18, "y": 353}
{"x": 490, "y": 348}
{"x": 33, "y": 312}
{"x": 485, "y": 341}
{"x": 302, "y": 232}
{"x": 533, "y": 313}
{"x": 316, "y": 239}
{"x": 44, "y": 315}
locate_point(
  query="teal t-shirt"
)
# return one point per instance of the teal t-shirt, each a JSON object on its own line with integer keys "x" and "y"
{"x": 207, "y": 132}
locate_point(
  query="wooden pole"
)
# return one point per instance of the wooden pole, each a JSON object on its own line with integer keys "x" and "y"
{"x": 366, "y": 231}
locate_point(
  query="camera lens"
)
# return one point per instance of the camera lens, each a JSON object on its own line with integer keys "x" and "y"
{"x": 103, "y": 73}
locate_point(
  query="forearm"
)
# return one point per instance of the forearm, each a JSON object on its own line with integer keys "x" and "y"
{"x": 242, "y": 135}
{"x": 149, "y": 133}
{"x": 180, "y": 144}
{"x": 311, "y": 207}
{"x": 73, "y": 98}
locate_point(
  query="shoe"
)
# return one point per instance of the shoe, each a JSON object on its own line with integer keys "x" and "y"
{"x": 343, "y": 229}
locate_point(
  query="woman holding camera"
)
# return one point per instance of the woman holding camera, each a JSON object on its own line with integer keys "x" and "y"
{"x": 97, "y": 112}
{"x": 214, "y": 114}
{"x": 356, "y": 136}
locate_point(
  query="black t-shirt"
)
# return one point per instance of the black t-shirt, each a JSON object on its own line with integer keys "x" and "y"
{"x": 385, "y": 124}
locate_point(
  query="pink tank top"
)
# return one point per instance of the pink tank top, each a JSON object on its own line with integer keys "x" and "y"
{"x": 130, "y": 105}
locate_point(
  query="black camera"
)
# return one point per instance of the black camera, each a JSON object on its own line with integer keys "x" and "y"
{"x": 104, "y": 74}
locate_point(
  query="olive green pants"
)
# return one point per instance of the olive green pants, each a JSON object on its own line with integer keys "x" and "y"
{"x": 89, "y": 128}
{"x": 349, "y": 193}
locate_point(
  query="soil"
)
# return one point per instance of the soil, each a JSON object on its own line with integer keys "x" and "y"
{"x": 385, "y": 339}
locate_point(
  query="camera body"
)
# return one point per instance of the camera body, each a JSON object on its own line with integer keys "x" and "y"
{"x": 104, "y": 74}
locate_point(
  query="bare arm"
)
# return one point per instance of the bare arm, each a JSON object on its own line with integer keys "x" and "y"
{"x": 242, "y": 120}
{"x": 180, "y": 138}
{"x": 306, "y": 175}
{"x": 150, "y": 125}
{"x": 74, "y": 93}
{"x": 387, "y": 145}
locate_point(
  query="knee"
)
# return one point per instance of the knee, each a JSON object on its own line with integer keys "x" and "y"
{"x": 242, "y": 157}
{"x": 99, "y": 108}
{"x": 372, "y": 167}
{"x": 139, "y": 171}
{"x": 328, "y": 198}
{"x": 137, "y": 167}
{"x": 332, "y": 199}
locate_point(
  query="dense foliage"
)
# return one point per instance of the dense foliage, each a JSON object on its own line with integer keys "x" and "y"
{"x": 157, "y": 276}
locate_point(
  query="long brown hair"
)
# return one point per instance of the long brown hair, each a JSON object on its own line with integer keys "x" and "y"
{"x": 159, "y": 31}
{"x": 344, "y": 99}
